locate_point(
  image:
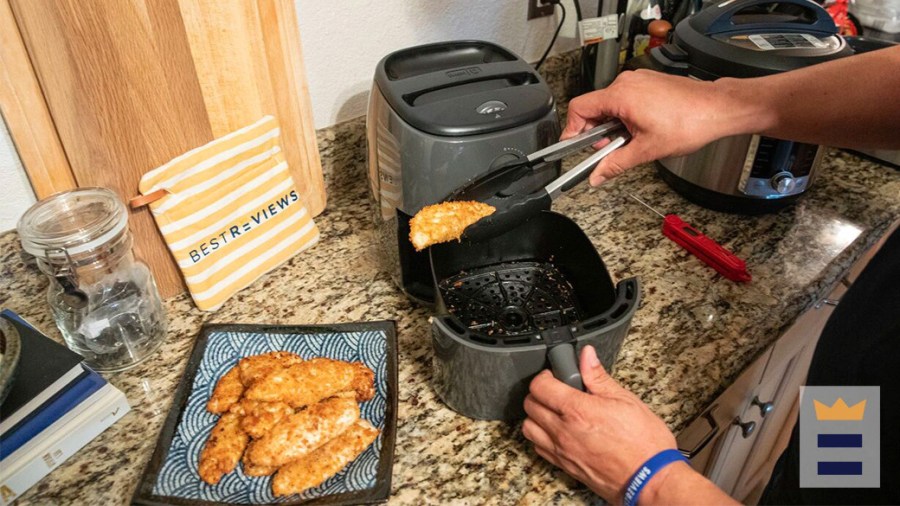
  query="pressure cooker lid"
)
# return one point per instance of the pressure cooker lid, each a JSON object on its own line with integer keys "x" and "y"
{"x": 750, "y": 38}
{"x": 462, "y": 88}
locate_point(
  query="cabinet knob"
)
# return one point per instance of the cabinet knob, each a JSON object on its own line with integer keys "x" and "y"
{"x": 764, "y": 407}
{"x": 747, "y": 428}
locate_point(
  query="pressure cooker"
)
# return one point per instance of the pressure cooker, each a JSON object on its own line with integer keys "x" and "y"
{"x": 750, "y": 174}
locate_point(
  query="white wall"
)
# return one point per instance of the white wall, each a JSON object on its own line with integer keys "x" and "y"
{"x": 343, "y": 40}
{"x": 16, "y": 194}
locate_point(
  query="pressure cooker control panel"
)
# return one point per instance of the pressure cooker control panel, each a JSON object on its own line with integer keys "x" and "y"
{"x": 776, "y": 168}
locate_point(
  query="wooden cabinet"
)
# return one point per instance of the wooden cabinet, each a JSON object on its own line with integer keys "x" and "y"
{"x": 715, "y": 456}
{"x": 753, "y": 418}
{"x": 777, "y": 397}
{"x": 739, "y": 438}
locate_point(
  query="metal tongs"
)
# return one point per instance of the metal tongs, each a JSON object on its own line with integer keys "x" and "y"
{"x": 514, "y": 208}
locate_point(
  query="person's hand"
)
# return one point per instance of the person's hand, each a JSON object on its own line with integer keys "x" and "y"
{"x": 599, "y": 437}
{"x": 666, "y": 116}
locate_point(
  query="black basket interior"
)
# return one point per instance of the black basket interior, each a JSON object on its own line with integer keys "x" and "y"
{"x": 543, "y": 274}
{"x": 511, "y": 298}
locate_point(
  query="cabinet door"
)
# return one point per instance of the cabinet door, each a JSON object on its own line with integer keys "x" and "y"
{"x": 739, "y": 459}
{"x": 780, "y": 386}
{"x": 741, "y": 429}
{"x": 711, "y": 436}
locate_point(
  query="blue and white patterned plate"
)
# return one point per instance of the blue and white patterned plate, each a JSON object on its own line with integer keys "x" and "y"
{"x": 172, "y": 475}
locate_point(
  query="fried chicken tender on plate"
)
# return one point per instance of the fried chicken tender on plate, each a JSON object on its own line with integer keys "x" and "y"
{"x": 227, "y": 392}
{"x": 363, "y": 383}
{"x": 251, "y": 469}
{"x": 258, "y": 418}
{"x": 323, "y": 463}
{"x": 445, "y": 222}
{"x": 223, "y": 449}
{"x": 259, "y": 366}
{"x": 311, "y": 381}
{"x": 303, "y": 432}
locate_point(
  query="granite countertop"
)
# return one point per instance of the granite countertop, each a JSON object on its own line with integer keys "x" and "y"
{"x": 692, "y": 335}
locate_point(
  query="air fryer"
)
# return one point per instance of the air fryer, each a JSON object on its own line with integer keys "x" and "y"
{"x": 441, "y": 115}
{"x": 516, "y": 304}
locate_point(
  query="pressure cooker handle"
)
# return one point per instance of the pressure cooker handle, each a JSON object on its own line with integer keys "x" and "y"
{"x": 719, "y": 18}
{"x": 564, "y": 364}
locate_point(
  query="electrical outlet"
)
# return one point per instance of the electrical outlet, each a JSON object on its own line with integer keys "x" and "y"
{"x": 539, "y": 9}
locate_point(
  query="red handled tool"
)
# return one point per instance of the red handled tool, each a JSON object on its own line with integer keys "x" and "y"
{"x": 702, "y": 247}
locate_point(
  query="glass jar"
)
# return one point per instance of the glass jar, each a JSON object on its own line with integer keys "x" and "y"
{"x": 103, "y": 300}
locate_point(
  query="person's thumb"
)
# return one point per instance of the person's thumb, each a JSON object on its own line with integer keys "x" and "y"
{"x": 593, "y": 375}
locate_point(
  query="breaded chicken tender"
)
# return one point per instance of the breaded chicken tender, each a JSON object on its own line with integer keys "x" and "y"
{"x": 253, "y": 470}
{"x": 445, "y": 222}
{"x": 223, "y": 449}
{"x": 363, "y": 383}
{"x": 259, "y": 366}
{"x": 323, "y": 463}
{"x": 303, "y": 432}
{"x": 261, "y": 428}
{"x": 311, "y": 381}
{"x": 258, "y": 418}
{"x": 227, "y": 392}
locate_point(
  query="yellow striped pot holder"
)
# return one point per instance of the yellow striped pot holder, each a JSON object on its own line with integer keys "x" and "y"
{"x": 230, "y": 212}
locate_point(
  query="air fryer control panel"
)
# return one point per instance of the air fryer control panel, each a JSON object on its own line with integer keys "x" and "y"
{"x": 776, "y": 168}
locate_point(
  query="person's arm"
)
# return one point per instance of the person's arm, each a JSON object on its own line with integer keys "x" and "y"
{"x": 853, "y": 102}
{"x": 602, "y": 436}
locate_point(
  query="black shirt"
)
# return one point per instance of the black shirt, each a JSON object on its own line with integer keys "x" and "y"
{"x": 859, "y": 346}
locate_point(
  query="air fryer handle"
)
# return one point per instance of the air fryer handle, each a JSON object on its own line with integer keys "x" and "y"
{"x": 564, "y": 364}
{"x": 718, "y": 18}
{"x": 419, "y": 84}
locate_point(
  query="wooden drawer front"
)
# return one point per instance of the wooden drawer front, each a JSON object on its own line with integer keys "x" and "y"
{"x": 780, "y": 385}
{"x": 739, "y": 463}
{"x": 737, "y": 442}
{"x": 718, "y": 419}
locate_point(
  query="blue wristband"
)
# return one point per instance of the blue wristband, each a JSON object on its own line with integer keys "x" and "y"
{"x": 647, "y": 471}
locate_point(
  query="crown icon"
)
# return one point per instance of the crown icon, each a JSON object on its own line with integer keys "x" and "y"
{"x": 840, "y": 411}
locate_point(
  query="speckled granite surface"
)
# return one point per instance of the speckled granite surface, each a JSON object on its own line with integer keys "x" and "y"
{"x": 692, "y": 335}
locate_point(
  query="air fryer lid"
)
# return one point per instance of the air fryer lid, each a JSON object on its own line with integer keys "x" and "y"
{"x": 462, "y": 88}
{"x": 751, "y": 38}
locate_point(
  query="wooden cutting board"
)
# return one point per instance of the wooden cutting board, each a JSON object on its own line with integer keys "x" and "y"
{"x": 129, "y": 85}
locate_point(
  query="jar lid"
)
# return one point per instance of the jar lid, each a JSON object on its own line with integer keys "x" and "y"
{"x": 72, "y": 222}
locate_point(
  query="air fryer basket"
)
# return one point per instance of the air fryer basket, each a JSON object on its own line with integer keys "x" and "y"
{"x": 510, "y": 299}
{"x": 501, "y": 304}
